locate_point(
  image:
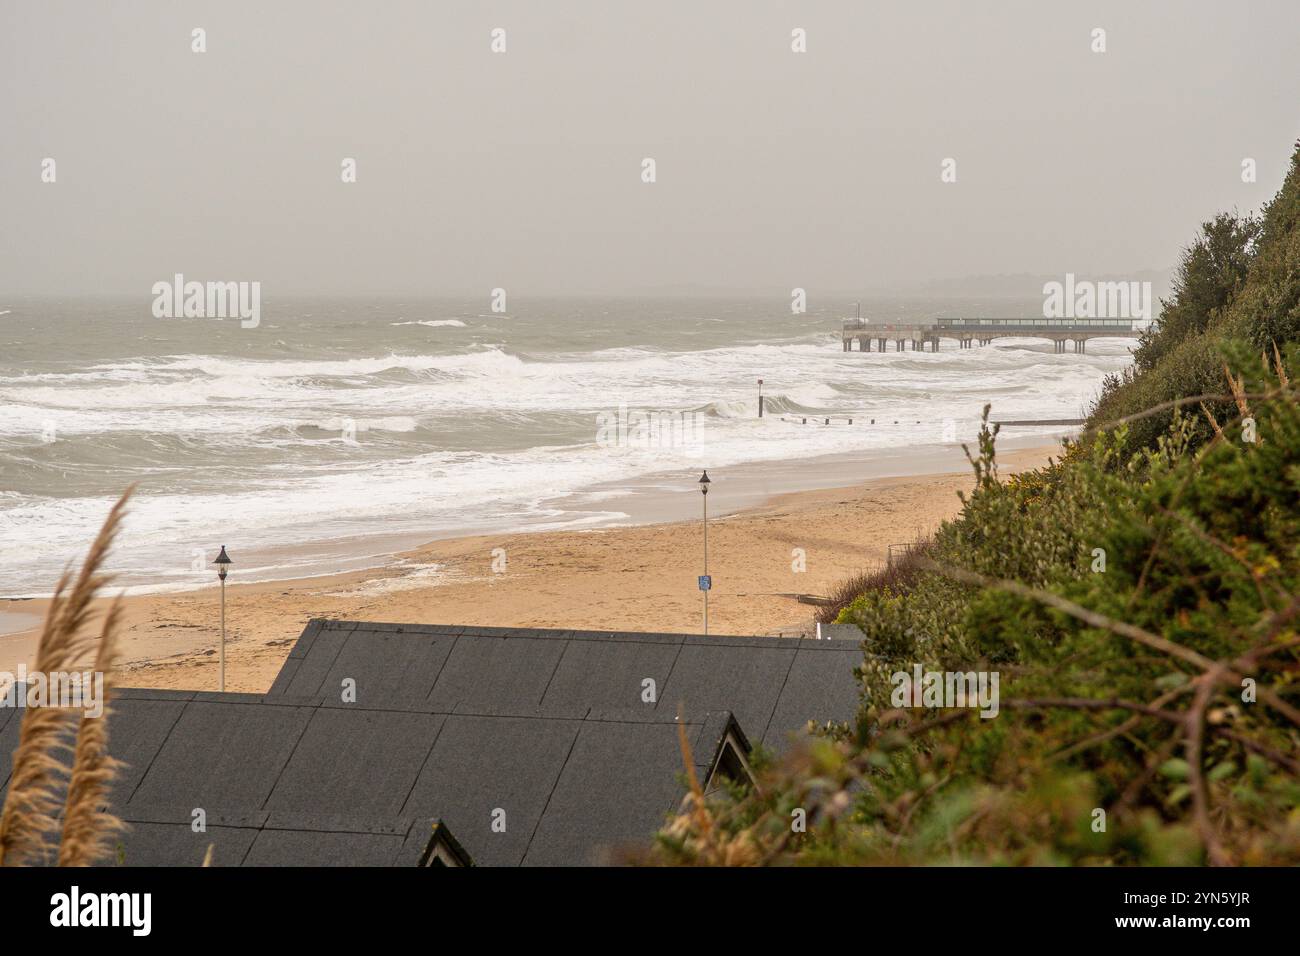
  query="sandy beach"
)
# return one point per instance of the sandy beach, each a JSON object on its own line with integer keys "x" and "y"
{"x": 641, "y": 577}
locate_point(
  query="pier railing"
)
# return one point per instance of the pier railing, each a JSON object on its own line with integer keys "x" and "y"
{"x": 972, "y": 331}
{"x": 1000, "y": 325}
{"x": 1067, "y": 325}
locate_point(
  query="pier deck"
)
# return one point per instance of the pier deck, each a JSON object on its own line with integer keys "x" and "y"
{"x": 969, "y": 332}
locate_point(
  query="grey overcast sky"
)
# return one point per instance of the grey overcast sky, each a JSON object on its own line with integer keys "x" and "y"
{"x": 523, "y": 169}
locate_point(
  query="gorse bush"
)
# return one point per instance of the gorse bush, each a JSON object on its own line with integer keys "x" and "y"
{"x": 899, "y": 575}
{"x": 1238, "y": 281}
{"x": 1142, "y": 620}
{"x": 1212, "y": 271}
{"x": 1139, "y": 603}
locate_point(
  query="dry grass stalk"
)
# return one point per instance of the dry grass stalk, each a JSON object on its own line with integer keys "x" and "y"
{"x": 86, "y": 827}
{"x": 1238, "y": 388}
{"x": 1213, "y": 421}
{"x": 1281, "y": 369}
{"x": 695, "y": 823}
{"x": 28, "y": 818}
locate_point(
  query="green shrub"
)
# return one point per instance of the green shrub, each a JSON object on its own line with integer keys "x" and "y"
{"x": 1240, "y": 280}
{"x": 1139, "y": 601}
{"x": 1202, "y": 559}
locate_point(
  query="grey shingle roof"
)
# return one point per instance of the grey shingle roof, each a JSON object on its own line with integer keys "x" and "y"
{"x": 158, "y": 838}
{"x": 457, "y": 724}
{"x": 572, "y": 782}
{"x": 10, "y": 718}
{"x": 774, "y": 685}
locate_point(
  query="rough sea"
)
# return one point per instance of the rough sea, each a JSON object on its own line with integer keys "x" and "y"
{"x": 354, "y": 421}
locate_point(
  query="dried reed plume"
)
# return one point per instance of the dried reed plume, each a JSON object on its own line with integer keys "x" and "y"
{"x": 39, "y": 770}
{"x": 1238, "y": 387}
{"x": 86, "y": 830}
{"x": 1281, "y": 369}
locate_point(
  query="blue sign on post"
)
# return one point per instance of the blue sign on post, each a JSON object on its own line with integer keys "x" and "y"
{"x": 706, "y": 582}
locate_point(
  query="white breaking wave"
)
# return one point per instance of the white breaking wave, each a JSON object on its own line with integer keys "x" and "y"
{"x": 276, "y": 452}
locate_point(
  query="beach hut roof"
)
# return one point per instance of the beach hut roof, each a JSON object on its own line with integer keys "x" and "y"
{"x": 533, "y": 747}
{"x": 774, "y": 685}
{"x": 549, "y": 786}
{"x": 158, "y": 837}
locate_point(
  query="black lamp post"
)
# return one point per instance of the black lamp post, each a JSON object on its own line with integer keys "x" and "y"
{"x": 705, "y": 582}
{"x": 223, "y": 563}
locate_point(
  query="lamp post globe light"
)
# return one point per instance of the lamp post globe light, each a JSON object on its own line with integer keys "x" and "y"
{"x": 223, "y": 563}
{"x": 705, "y": 581}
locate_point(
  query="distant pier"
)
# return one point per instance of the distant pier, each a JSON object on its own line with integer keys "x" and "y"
{"x": 969, "y": 332}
